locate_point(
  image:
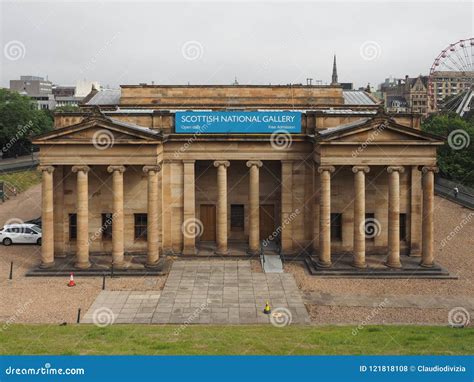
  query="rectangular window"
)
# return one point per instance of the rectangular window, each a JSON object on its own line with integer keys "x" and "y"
{"x": 371, "y": 227}
{"x": 403, "y": 227}
{"x": 237, "y": 217}
{"x": 106, "y": 227}
{"x": 140, "y": 226}
{"x": 72, "y": 226}
{"x": 336, "y": 226}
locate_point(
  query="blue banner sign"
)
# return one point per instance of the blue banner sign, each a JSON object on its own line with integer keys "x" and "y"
{"x": 237, "y": 368}
{"x": 237, "y": 122}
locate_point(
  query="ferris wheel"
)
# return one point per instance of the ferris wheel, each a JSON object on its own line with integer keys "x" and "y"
{"x": 451, "y": 79}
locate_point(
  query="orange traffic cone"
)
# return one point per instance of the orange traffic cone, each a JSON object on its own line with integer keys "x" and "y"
{"x": 71, "y": 282}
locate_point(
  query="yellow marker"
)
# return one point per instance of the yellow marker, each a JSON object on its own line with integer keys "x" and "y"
{"x": 267, "y": 309}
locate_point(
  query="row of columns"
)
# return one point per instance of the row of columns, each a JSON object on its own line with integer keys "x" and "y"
{"x": 393, "y": 258}
{"x": 82, "y": 210}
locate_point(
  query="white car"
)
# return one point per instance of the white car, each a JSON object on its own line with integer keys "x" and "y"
{"x": 20, "y": 234}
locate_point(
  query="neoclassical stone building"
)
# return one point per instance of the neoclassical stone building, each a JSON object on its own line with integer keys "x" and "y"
{"x": 124, "y": 177}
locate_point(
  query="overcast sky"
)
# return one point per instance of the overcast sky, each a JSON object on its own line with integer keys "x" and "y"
{"x": 282, "y": 42}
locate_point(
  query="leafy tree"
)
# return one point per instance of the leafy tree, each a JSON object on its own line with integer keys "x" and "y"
{"x": 67, "y": 108}
{"x": 456, "y": 156}
{"x": 19, "y": 121}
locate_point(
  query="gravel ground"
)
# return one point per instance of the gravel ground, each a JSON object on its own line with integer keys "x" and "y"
{"x": 49, "y": 300}
{"x": 42, "y": 299}
{"x": 455, "y": 254}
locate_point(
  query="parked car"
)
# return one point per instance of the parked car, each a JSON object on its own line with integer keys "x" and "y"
{"x": 36, "y": 221}
{"x": 20, "y": 234}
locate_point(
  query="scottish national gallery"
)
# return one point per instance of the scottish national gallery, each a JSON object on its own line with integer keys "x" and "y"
{"x": 306, "y": 171}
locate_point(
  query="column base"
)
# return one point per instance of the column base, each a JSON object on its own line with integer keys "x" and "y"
{"x": 47, "y": 265}
{"x": 119, "y": 265}
{"x": 190, "y": 251}
{"x": 288, "y": 252}
{"x": 253, "y": 252}
{"x": 393, "y": 265}
{"x": 153, "y": 265}
{"x": 221, "y": 252}
{"x": 359, "y": 265}
{"x": 323, "y": 264}
{"x": 82, "y": 265}
{"x": 415, "y": 253}
{"x": 426, "y": 265}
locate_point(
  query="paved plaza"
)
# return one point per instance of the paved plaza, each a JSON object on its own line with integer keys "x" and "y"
{"x": 207, "y": 291}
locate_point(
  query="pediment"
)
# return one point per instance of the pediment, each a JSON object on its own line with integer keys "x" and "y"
{"x": 376, "y": 131}
{"x": 100, "y": 130}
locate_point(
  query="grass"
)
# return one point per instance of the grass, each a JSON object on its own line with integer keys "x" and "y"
{"x": 22, "y": 180}
{"x": 234, "y": 340}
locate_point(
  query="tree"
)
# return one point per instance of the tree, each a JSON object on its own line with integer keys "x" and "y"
{"x": 456, "y": 156}
{"x": 20, "y": 120}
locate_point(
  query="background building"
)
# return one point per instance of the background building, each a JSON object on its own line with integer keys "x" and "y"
{"x": 37, "y": 88}
{"x": 406, "y": 95}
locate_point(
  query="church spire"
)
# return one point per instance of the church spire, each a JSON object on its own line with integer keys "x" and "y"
{"x": 334, "y": 72}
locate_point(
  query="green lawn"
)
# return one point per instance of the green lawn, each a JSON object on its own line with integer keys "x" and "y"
{"x": 22, "y": 180}
{"x": 207, "y": 340}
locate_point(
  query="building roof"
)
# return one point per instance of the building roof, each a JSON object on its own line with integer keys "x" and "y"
{"x": 346, "y": 126}
{"x": 357, "y": 97}
{"x": 105, "y": 97}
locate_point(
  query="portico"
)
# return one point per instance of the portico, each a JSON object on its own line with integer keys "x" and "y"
{"x": 116, "y": 187}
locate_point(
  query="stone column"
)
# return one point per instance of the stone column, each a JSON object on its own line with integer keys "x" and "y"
{"x": 117, "y": 217}
{"x": 359, "y": 215}
{"x": 393, "y": 259}
{"x": 191, "y": 227}
{"x": 286, "y": 207}
{"x": 47, "y": 221}
{"x": 222, "y": 207}
{"x": 82, "y": 241}
{"x": 254, "y": 206}
{"x": 427, "y": 254}
{"x": 153, "y": 244}
{"x": 325, "y": 216}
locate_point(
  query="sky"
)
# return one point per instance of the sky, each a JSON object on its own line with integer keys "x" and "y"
{"x": 281, "y": 42}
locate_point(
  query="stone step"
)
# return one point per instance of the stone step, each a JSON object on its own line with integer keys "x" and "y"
{"x": 272, "y": 262}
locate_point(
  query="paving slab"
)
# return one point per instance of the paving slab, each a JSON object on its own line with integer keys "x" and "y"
{"x": 208, "y": 291}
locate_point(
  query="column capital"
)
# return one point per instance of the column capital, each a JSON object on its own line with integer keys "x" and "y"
{"x": 391, "y": 169}
{"x": 155, "y": 168}
{"x": 257, "y": 163}
{"x": 321, "y": 169}
{"x": 224, "y": 163}
{"x": 83, "y": 168}
{"x": 356, "y": 169}
{"x": 120, "y": 169}
{"x": 48, "y": 169}
{"x": 426, "y": 169}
